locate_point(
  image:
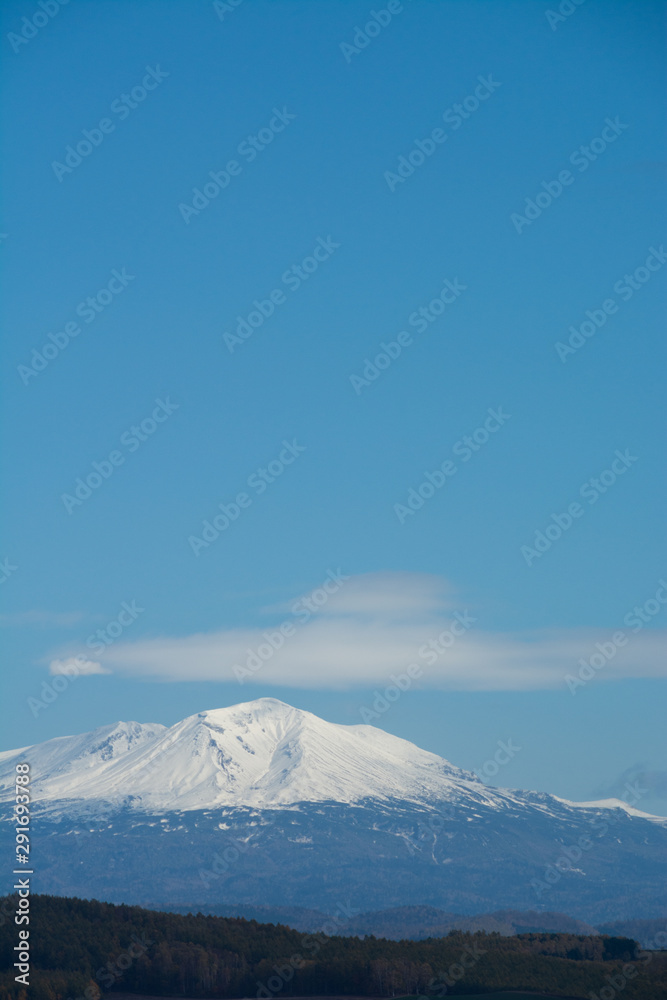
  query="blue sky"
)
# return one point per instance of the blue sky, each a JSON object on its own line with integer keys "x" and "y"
{"x": 315, "y": 213}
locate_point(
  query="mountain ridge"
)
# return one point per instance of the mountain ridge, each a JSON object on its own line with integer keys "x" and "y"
{"x": 263, "y": 804}
{"x": 263, "y": 753}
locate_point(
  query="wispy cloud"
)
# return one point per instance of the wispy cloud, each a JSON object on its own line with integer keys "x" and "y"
{"x": 42, "y": 619}
{"x": 651, "y": 781}
{"x": 384, "y": 595}
{"x": 77, "y": 666}
{"x": 378, "y": 624}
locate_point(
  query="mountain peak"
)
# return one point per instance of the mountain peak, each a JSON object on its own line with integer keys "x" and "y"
{"x": 261, "y": 753}
{"x": 259, "y": 708}
{"x": 368, "y": 815}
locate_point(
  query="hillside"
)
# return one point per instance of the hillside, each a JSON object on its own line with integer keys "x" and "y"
{"x": 79, "y": 945}
{"x": 263, "y": 804}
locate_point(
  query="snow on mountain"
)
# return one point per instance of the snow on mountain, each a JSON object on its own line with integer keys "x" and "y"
{"x": 261, "y": 803}
{"x": 611, "y": 804}
{"x": 261, "y": 754}
{"x": 67, "y": 760}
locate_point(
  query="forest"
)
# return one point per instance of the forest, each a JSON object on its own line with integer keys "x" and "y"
{"x": 80, "y": 949}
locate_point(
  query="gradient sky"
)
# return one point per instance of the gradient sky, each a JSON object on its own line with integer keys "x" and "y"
{"x": 220, "y": 74}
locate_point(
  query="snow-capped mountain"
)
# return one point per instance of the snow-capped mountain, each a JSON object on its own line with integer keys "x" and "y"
{"x": 264, "y": 803}
{"x": 262, "y": 753}
{"x": 62, "y": 762}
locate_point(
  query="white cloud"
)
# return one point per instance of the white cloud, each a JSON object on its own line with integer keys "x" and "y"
{"x": 378, "y": 595}
{"x": 376, "y": 625}
{"x": 77, "y": 666}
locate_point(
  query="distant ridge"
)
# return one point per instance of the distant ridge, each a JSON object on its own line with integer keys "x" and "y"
{"x": 414, "y": 923}
{"x": 417, "y": 923}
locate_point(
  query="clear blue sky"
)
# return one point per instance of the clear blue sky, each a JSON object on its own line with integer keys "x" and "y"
{"x": 339, "y": 121}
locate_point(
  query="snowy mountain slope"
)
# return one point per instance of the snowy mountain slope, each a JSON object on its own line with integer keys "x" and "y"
{"x": 262, "y": 754}
{"x": 261, "y": 803}
{"x": 67, "y": 760}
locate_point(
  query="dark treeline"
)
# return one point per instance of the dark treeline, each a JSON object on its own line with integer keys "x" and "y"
{"x": 81, "y": 949}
